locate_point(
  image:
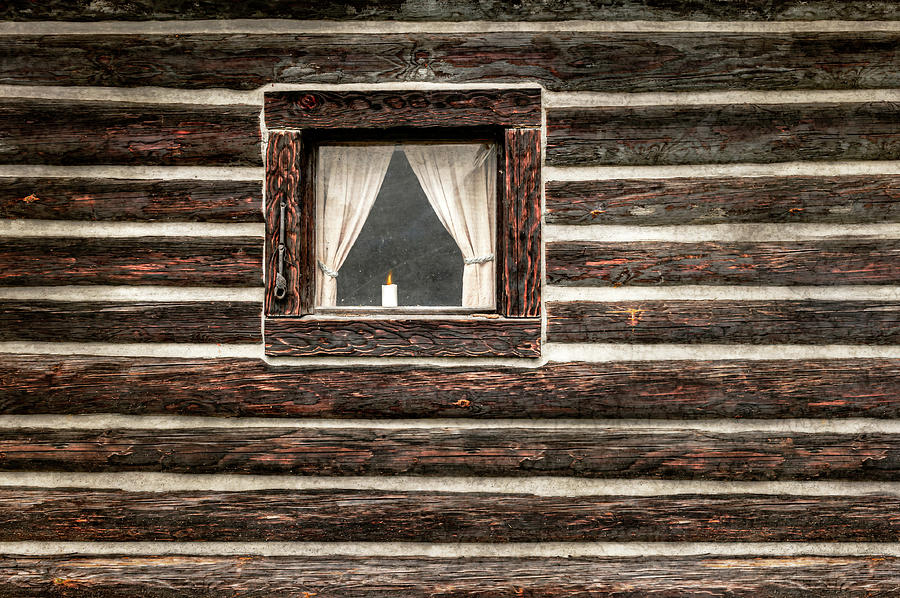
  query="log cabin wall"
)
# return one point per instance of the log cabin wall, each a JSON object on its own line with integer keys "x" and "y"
{"x": 715, "y": 412}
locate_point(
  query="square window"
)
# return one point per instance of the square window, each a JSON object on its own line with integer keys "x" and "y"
{"x": 440, "y": 191}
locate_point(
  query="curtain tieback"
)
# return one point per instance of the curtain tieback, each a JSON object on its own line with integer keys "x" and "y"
{"x": 328, "y": 271}
{"x": 479, "y": 260}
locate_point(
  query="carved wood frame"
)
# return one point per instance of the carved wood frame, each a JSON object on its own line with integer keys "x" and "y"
{"x": 296, "y": 119}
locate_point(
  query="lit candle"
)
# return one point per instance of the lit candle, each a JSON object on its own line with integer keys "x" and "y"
{"x": 389, "y": 292}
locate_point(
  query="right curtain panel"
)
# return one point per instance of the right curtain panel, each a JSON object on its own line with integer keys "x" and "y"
{"x": 460, "y": 182}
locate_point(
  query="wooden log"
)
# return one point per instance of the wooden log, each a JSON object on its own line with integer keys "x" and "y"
{"x": 583, "y": 453}
{"x": 66, "y": 132}
{"x": 130, "y": 322}
{"x": 731, "y": 322}
{"x": 814, "y": 263}
{"x": 598, "y": 61}
{"x": 455, "y": 10}
{"x": 74, "y": 515}
{"x": 418, "y": 577}
{"x": 519, "y": 231}
{"x": 718, "y": 134}
{"x": 411, "y": 337}
{"x": 317, "y": 109}
{"x": 188, "y": 261}
{"x": 833, "y": 388}
{"x": 718, "y": 200}
{"x": 130, "y": 200}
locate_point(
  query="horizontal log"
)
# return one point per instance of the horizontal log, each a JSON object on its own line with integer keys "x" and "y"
{"x": 420, "y": 108}
{"x": 586, "y": 453}
{"x": 64, "y": 132}
{"x": 453, "y": 10}
{"x": 725, "y": 200}
{"x": 419, "y": 577}
{"x": 130, "y": 322}
{"x": 732, "y": 322}
{"x": 131, "y": 200}
{"x": 189, "y": 261}
{"x": 718, "y": 134}
{"x": 409, "y": 337}
{"x": 610, "y": 62}
{"x": 68, "y": 515}
{"x": 35, "y": 384}
{"x": 813, "y": 263}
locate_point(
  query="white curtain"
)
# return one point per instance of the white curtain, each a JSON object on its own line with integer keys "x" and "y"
{"x": 347, "y": 183}
{"x": 460, "y": 183}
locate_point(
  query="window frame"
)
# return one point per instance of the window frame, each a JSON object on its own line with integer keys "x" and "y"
{"x": 300, "y": 120}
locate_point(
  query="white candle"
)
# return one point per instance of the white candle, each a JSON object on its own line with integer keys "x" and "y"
{"x": 388, "y": 295}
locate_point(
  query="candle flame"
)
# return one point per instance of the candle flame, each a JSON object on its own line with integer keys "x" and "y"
{"x": 390, "y": 277}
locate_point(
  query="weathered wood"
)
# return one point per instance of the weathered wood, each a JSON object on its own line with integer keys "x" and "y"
{"x": 33, "y": 384}
{"x": 67, "y": 515}
{"x": 412, "y": 337}
{"x": 190, "y": 261}
{"x": 754, "y": 322}
{"x": 130, "y": 322}
{"x": 421, "y": 108}
{"x": 717, "y": 200}
{"x": 585, "y": 453}
{"x": 717, "y": 134}
{"x": 68, "y": 132}
{"x": 519, "y": 225}
{"x": 629, "y": 62}
{"x": 284, "y": 174}
{"x": 454, "y": 10}
{"x": 814, "y": 263}
{"x": 418, "y": 577}
{"x": 131, "y": 199}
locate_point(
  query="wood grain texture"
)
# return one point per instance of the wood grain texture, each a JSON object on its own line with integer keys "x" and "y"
{"x": 719, "y": 200}
{"x": 418, "y": 577}
{"x": 814, "y": 263}
{"x": 63, "y": 132}
{"x": 583, "y": 453}
{"x": 134, "y": 200}
{"x": 730, "y": 322}
{"x": 610, "y": 62}
{"x": 36, "y": 384}
{"x": 452, "y": 10}
{"x": 519, "y": 225}
{"x": 395, "y": 337}
{"x": 317, "y": 109}
{"x": 130, "y": 322}
{"x": 174, "y": 261}
{"x": 284, "y": 178}
{"x": 718, "y": 134}
{"x": 75, "y": 515}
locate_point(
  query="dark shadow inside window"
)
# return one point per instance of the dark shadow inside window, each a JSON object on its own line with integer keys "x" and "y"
{"x": 402, "y": 234}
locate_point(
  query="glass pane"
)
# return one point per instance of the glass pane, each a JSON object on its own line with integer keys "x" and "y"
{"x": 401, "y": 235}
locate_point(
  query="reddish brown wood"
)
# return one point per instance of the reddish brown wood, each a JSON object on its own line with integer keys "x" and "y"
{"x": 715, "y": 200}
{"x": 131, "y": 199}
{"x": 611, "y": 62}
{"x": 732, "y": 322}
{"x": 74, "y": 132}
{"x": 190, "y": 261}
{"x": 283, "y": 185}
{"x": 519, "y": 232}
{"x": 444, "y": 337}
{"x": 132, "y": 322}
{"x": 417, "y": 577}
{"x": 781, "y": 264}
{"x": 715, "y": 134}
{"x": 57, "y": 515}
{"x": 493, "y": 451}
{"x": 832, "y": 388}
{"x": 316, "y": 109}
